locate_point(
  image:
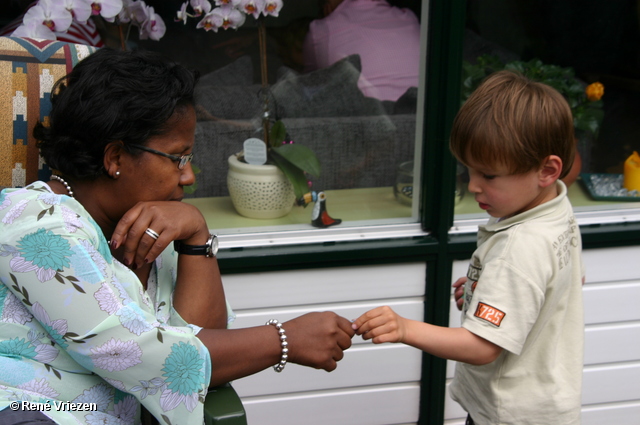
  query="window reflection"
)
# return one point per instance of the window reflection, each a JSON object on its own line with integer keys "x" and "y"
{"x": 597, "y": 41}
{"x": 343, "y": 77}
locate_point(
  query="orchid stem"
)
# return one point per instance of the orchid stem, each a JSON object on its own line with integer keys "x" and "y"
{"x": 262, "y": 42}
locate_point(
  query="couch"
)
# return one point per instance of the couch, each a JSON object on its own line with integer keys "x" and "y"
{"x": 359, "y": 141}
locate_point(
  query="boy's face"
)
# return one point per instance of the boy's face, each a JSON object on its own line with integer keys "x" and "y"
{"x": 504, "y": 195}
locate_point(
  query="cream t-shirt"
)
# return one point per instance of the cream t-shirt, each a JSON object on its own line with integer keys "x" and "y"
{"x": 524, "y": 294}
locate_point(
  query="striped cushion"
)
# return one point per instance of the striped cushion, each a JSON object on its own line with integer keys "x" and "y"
{"x": 28, "y": 70}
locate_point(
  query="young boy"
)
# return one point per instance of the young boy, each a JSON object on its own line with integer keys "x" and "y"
{"x": 520, "y": 347}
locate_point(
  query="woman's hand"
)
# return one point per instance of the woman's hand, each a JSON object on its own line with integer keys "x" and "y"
{"x": 318, "y": 339}
{"x": 171, "y": 220}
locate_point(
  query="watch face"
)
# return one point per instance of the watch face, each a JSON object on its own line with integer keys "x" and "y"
{"x": 213, "y": 245}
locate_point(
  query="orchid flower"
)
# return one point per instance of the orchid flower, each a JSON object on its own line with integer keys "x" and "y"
{"x": 272, "y": 7}
{"x": 231, "y": 17}
{"x": 53, "y": 16}
{"x": 182, "y": 14}
{"x": 200, "y": 7}
{"x": 154, "y": 27}
{"x": 80, "y": 9}
{"x": 233, "y": 3}
{"x": 252, "y": 7}
{"x": 108, "y": 9}
{"x": 138, "y": 12}
{"x": 210, "y": 22}
{"x": 34, "y": 29}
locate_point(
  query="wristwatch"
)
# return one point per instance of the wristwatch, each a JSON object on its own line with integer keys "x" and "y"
{"x": 210, "y": 249}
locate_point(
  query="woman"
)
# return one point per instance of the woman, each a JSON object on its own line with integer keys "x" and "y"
{"x": 96, "y": 304}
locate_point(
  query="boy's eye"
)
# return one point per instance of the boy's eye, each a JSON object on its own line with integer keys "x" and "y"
{"x": 489, "y": 176}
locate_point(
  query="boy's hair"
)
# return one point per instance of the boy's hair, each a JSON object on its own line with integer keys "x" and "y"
{"x": 512, "y": 121}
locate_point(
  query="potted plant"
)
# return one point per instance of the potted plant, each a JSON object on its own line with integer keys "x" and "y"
{"x": 264, "y": 188}
{"x": 584, "y": 100}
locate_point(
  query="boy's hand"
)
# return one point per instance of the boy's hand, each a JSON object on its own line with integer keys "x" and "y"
{"x": 458, "y": 294}
{"x": 381, "y": 324}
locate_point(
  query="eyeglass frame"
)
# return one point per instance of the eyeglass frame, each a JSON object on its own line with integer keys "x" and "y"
{"x": 182, "y": 160}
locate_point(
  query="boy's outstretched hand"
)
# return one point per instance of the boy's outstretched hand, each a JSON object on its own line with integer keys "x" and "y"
{"x": 381, "y": 324}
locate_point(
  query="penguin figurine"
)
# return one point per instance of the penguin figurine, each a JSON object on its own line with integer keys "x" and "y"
{"x": 320, "y": 217}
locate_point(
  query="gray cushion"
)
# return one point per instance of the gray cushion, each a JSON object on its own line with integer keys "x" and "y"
{"x": 329, "y": 92}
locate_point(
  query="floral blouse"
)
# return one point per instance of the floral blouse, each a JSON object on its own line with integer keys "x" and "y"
{"x": 77, "y": 326}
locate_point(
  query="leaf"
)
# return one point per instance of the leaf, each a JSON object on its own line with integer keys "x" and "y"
{"x": 72, "y": 279}
{"x": 277, "y": 134}
{"x": 59, "y": 278}
{"x": 294, "y": 174}
{"x": 78, "y": 287}
{"x": 42, "y": 213}
{"x": 159, "y": 336}
{"x": 300, "y": 156}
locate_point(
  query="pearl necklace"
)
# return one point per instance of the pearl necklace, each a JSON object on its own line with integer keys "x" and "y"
{"x": 61, "y": 180}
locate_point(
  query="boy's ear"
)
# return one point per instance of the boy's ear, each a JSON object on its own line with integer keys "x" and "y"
{"x": 550, "y": 170}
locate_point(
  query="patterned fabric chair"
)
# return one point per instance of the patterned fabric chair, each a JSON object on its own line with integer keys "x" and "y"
{"x": 28, "y": 70}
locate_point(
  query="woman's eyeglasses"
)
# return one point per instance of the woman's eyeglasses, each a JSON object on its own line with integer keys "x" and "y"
{"x": 182, "y": 160}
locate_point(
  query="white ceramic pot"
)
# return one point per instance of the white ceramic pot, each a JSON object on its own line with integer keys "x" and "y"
{"x": 259, "y": 191}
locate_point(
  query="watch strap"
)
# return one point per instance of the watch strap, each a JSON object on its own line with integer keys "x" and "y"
{"x": 210, "y": 249}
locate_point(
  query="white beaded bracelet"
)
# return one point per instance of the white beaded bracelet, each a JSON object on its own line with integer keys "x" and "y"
{"x": 283, "y": 343}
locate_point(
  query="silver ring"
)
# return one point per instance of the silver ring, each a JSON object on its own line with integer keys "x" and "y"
{"x": 152, "y": 233}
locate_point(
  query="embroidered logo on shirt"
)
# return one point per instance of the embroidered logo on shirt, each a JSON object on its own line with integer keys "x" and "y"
{"x": 490, "y": 314}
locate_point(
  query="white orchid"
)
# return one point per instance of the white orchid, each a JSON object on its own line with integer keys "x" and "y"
{"x": 272, "y": 7}
{"x": 231, "y": 17}
{"x": 252, "y": 7}
{"x": 52, "y": 15}
{"x": 108, "y": 9}
{"x": 200, "y": 7}
{"x": 80, "y": 9}
{"x": 153, "y": 27}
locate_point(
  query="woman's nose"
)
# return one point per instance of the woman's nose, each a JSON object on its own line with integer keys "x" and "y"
{"x": 188, "y": 177}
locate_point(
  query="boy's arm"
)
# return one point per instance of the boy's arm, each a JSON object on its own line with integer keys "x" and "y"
{"x": 382, "y": 324}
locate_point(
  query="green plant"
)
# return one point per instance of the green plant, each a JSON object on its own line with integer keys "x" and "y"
{"x": 587, "y": 110}
{"x": 292, "y": 158}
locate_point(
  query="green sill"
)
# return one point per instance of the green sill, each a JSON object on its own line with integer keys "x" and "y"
{"x": 350, "y": 205}
{"x": 578, "y": 195}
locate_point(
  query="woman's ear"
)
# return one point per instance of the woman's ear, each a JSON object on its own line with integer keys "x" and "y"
{"x": 113, "y": 156}
{"x": 550, "y": 170}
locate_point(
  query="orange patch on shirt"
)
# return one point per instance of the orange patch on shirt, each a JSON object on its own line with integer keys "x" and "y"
{"x": 490, "y": 314}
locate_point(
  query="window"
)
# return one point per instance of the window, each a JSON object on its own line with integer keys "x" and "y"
{"x": 361, "y": 119}
{"x": 598, "y": 42}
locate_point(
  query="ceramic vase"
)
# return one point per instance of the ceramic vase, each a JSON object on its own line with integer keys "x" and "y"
{"x": 259, "y": 191}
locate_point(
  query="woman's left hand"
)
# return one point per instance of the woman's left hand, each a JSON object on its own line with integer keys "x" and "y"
{"x": 170, "y": 220}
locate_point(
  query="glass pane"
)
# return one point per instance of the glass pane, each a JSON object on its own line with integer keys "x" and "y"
{"x": 597, "y": 43}
{"x": 345, "y": 85}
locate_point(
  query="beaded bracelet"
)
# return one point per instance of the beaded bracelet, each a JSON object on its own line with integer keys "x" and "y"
{"x": 283, "y": 343}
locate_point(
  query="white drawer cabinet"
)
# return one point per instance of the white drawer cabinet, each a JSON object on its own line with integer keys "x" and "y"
{"x": 373, "y": 384}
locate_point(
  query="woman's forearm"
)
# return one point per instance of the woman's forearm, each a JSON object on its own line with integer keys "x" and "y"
{"x": 199, "y": 295}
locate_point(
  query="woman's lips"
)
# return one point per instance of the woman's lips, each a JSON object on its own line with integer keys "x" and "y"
{"x": 483, "y": 206}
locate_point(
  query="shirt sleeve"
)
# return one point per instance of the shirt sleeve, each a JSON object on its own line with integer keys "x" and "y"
{"x": 96, "y": 314}
{"x": 504, "y": 306}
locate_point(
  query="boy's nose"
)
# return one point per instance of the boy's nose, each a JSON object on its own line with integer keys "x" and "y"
{"x": 473, "y": 185}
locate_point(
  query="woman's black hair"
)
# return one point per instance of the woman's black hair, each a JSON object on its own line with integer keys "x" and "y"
{"x": 110, "y": 96}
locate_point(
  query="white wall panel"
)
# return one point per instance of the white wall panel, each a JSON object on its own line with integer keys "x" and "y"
{"x": 394, "y": 404}
{"x": 611, "y": 264}
{"x": 361, "y": 366}
{"x": 327, "y": 285}
{"x": 611, "y": 302}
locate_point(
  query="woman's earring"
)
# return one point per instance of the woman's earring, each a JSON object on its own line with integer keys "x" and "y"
{"x": 117, "y": 174}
